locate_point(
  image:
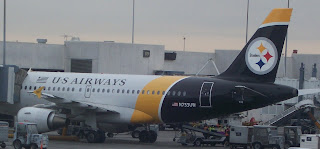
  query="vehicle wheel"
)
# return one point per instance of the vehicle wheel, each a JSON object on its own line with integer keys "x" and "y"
{"x": 3, "y": 145}
{"x": 276, "y": 147}
{"x": 101, "y": 137}
{"x": 257, "y": 146}
{"x": 92, "y": 137}
{"x": 17, "y": 144}
{"x": 226, "y": 143}
{"x": 135, "y": 134}
{"x": 110, "y": 135}
{"x": 144, "y": 136}
{"x": 152, "y": 136}
{"x": 287, "y": 145}
{"x": 197, "y": 142}
{"x": 34, "y": 146}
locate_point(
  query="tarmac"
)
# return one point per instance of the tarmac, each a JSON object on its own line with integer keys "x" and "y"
{"x": 121, "y": 141}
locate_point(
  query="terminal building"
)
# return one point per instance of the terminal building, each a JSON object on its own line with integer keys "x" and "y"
{"x": 124, "y": 58}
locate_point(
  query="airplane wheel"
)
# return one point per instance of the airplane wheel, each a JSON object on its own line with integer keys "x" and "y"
{"x": 3, "y": 145}
{"x": 17, "y": 144}
{"x": 110, "y": 135}
{"x": 152, "y": 136}
{"x": 135, "y": 134}
{"x": 92, "y": 137}
{"x": 144, "y": 136}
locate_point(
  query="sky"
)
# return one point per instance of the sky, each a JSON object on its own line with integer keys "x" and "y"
{"x": 206, "y": 24}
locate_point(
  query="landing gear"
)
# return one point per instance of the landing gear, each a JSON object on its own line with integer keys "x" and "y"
{"x": 148, "y": 136}
{"x": 96, "y": 137}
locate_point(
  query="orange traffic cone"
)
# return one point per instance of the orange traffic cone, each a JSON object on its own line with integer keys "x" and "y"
{"x": 41, "y": 147}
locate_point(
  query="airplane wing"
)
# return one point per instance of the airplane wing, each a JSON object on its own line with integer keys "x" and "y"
{"x": 308, "y": 91}
{"x": 69, "y": 104}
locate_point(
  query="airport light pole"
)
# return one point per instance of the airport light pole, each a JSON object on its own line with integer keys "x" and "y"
{"x": 247, "y": 21}
{"x": 4, "y": 32}
{"x": 286, "y": 49}
{"x": 184, "y": 43}
{"x": 133, "y": 2}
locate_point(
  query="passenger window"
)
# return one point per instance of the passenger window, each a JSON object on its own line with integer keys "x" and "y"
{"x": 54, "y": 88}
{"x": 98, "y": 90}
{"x": 142, "y": 91}
{"x": 58, "y": 89}
{"x": 158, "y": 93}
{"x": 184, "y": 93}
{"x": 173, "y": 93}
{"x": 49, "y": 88}
{"x": 118, "y": 91}
{"x": 163, "y": 92}
{"x": 132, "y": 91}
{"x": 152, "y": 92}
{"x": 168, "y": 93}
{"x": 179, "y": 93}
{"x": 35, "y": 88}
{"x": 148, "y": 92}
{"x": 93, "y": 90}
{"x": 63, "y": 89}
{"x": 72, "y": 89}
{"x": 44, "y": 88}
{"x": 25, "y": 87}
{"x": 123, "y": 91}
{"x": 68, "y": 89}
{"x": 138, "y": 91}
{"x": 113, "y": 90}
{"x": 80, "y": 89}
{"x": 30, "y": 87}
{"x": 128, "y": 91}
{"x": 108, "y": 90}
{"x": 88, "y": 89}
{"x": 103, "y": 90}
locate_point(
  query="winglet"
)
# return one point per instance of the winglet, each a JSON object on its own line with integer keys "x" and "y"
{"x": 38, "y": 92}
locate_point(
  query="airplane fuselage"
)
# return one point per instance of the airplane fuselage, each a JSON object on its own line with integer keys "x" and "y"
{"x": 156, "y": 99}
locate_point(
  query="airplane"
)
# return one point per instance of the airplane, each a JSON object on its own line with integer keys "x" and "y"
{"x": 105, "y": 101}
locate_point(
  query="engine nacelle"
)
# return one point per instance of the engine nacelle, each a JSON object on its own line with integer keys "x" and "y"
{"x": 45, "y": 119}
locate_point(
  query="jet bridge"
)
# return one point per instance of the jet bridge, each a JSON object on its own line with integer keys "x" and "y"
{"x": 11, "y": 79}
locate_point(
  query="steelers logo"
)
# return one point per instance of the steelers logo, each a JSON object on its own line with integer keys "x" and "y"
{"x": 261, "y": 56}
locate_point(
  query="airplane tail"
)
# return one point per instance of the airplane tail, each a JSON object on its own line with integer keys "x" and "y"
{"x": 259, "y": 59}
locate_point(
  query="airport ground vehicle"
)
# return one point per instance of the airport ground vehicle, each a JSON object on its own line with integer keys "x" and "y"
{"x": 26, "y": 135}
{"x": 188, "y": 136}
{"x": 3, "y": 133}
{"x": 292, "y": 136}
{"x": 174, "y": 126}
{"x": 241, "y": 136}
{"x": 257, "y": 137}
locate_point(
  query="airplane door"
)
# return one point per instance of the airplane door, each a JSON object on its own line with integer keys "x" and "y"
{"x": 87, "y": 92}
{"x": 205, "y": 94}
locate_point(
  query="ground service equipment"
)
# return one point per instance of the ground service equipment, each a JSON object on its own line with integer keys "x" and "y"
{"x": 241, "y": 136}
{"x": 3, "y": 133}
{"x": 26, "y": 135}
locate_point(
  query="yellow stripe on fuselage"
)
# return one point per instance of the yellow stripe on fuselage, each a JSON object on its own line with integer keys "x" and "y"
{"x": 150, "y": 103}
{"x": 279, "y": 15}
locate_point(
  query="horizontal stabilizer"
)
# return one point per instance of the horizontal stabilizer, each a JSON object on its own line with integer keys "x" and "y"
{"x": 308, "y": 91}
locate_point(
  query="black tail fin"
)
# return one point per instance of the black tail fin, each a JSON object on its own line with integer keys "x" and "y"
{"x": 259, "y": 59}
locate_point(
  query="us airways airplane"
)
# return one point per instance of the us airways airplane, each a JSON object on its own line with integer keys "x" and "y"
{"x": 103, "y": 99}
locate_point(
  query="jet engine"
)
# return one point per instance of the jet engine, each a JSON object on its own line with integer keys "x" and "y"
{"x": 46, "y": 119}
